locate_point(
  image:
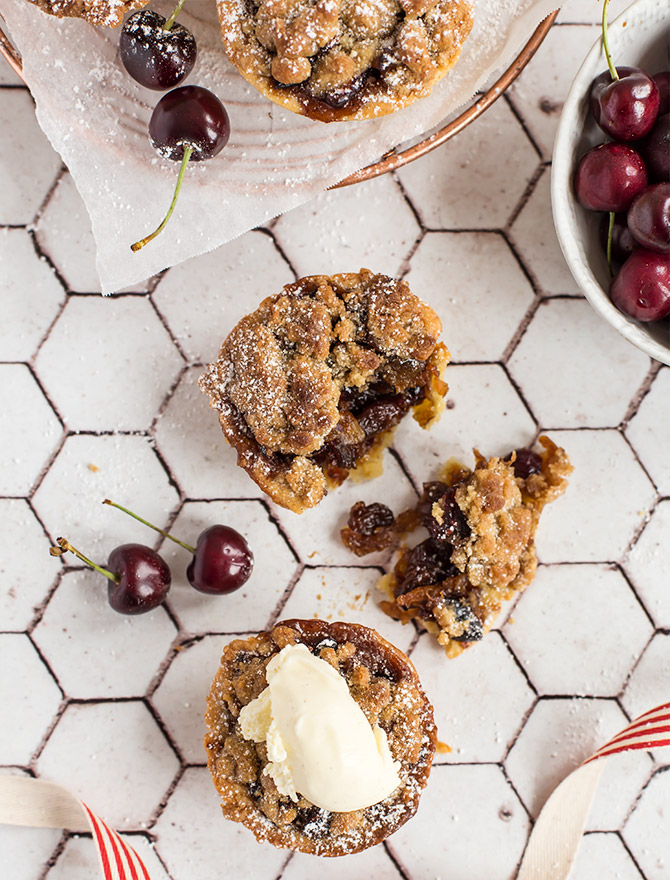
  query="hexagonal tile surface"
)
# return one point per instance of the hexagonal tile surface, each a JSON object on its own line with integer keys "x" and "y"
{"x": 572, "y": 530}
{"x": 30, "y": 698}
{"x": 591, "y": 390}
{"x": 557, "y": 737}
{"x": 648, "y": 431}
{"x": 553, "y": 633}
{"x": 180, "y": 697}
{"x": 89, "y": 469}
{"x": 648, "y": 685}
{"x": 646, "y": 830}
{"x": 539, "y": 92}
{"x": 372, "y": 862}
{"x": 26, "y": 413}
{"x": 345, "y": 594}
{"x": 249, "y": 607}
{"x": 29, "y": 164}
{"x": 30, "y": 296}
{"x": 316, "y": 536}
{"x": 463, "y": 184}
{"x": 461, "y": 798}
{"x": 369, "y": 225}
{"x": 534, "y": 237}
{"x": 648, "y": 565}
{"x": 483, "y": 411}
{"x": 25, "y": 576}
{"x": 113, "y": 755}
{"x": 92, "y": 650}
{"x": 195, "y": 839}
{"x": 230, "y": 281}
{"x": 78, "y": 377}
{"x": 482, "y": 729}
{"x": 465, "y": 276}
{"x": 202, "y": 461}
{"x": 604, "y": 849}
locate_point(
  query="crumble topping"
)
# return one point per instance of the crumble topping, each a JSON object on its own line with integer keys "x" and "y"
{"x": 312, "y": 384}
{"x": 344, "y": 59}
{"x": 384, "y": 684}
{"x": 481, "y": 545}
{"x": 107, "y": 13}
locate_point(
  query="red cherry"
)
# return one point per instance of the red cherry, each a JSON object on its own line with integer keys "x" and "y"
{"x": 649, "y": 218}
{"x": 623, "y": 243}
{"x": 655, "y": 149}
{"x": 609, "y": 177}
{"x": 138, "y": 577}
{"x": 625, "y": 108}
{"x": 222, "y": 561}
{"x": 662, "y": 80}
{"x": 155, "y": 55}
{"x": 641, "y": 289}
{"x": 142, "y": 579}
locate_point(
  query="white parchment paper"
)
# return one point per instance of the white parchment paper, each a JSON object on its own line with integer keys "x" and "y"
{"x": 97, "y": 117}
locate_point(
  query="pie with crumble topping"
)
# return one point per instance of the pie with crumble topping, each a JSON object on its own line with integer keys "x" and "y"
{"x": 310, "y": 387}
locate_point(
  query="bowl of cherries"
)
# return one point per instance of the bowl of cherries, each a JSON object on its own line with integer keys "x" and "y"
{"x": 610, "y": 184}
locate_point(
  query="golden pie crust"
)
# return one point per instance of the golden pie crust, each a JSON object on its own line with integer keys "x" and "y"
{"x": 337, "y": 60}
{"x": 311, "y": 386}
{"x": 386, "y": 686}
{"x": 106, "y": 13}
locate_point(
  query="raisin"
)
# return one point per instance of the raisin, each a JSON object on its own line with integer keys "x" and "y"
{"x": 526, "y": 463}
{"x": 426, "y": 564}
{"x": 367, "y": 518}
{"x": 343, "y": 95}
{"x": 382, "y": 414}
{"x": 369, "y": 528}
{"x": 447, "y": 525}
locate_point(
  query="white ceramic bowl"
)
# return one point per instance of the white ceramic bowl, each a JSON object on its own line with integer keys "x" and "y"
{"x": 639, "y": 37}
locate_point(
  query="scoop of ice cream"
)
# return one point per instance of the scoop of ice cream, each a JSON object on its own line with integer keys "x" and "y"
{"x": 319, "y": 742}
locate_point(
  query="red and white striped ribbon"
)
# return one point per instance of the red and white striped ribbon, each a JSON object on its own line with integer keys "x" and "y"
{"x": 553, "y": 845}
{"x": 40, "y": 804}
{"x": 550, "y": 854}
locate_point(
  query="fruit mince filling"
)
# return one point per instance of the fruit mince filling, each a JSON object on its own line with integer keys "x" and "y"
{"x": 364, "y": 417}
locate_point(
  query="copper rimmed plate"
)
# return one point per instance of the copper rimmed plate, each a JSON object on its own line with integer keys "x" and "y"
{"x": 402, "y": 156}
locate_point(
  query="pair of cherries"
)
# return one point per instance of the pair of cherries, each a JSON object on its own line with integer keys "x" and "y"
{"x": 629, "y": 178}
{"x": 139, "y": 579}
{"x": 189, "y": 123}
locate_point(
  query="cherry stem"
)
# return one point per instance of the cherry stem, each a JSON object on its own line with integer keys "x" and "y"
{"x": 168, "y": 24}
{"x": 151, "y": 525}
{"x": 606, "y": 46}
{"x": 64, "y": 546}
{"x": 610, "y": 233}
{"x": 184, "y": 162}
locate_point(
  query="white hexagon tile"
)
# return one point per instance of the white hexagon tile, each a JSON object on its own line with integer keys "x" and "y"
{"x": 100, "y": 399}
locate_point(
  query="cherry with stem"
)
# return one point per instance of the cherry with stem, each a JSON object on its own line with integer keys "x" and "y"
{"x": 222, "y": 560}
{"x": 189, "y": 124}
{"x": 158, "y": 54}
{"x": 139, "y": 579}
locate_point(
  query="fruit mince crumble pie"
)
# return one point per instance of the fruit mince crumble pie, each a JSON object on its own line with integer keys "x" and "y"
{"x": 336, "y": 60}
{"x": 106, "y": 13}
{"x": 480, "y": 548}
{"x": 383, "y": 684}
{"x": 312, "y": 384}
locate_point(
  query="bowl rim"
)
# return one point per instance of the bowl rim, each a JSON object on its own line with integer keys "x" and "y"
{"x": 396, "y": 158}
{"x": 562, "y": 200}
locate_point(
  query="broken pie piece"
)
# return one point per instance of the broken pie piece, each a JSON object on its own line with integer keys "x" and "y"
{"x": 480, "y": 548}
{"x": 385, "y": 686}
{"x": 336, "y": 60}
{"x": 106, "y": 13}
{"x": 311, "y": 386}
